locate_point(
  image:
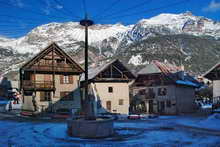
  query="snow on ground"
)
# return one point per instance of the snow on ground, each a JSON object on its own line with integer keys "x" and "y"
{"x": 153, "y": 132}
{"x": 211, "y": 123}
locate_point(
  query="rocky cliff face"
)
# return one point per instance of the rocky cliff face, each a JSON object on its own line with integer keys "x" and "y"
{"x": 138, "y": 43}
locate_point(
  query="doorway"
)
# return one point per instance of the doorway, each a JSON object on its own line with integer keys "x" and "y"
{"x": 108, "y": 106}
{"x": 161, "y": 107}
{"x": 151, "y": 106}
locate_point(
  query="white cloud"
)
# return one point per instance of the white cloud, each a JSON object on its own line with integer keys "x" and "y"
{"x": 59, "y": 7}
{"x": 212, "y": 7}
{"x": 17, "y": 3}
{"x": 47, "y": 9}
{"x": 49, "y": 6}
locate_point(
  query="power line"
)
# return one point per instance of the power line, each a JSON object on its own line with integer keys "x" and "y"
{"x": 146, "y": 11}
{"x": 107, "y": 9}
{"x": 129, "y": 8}
{"x": 84, "y": 6}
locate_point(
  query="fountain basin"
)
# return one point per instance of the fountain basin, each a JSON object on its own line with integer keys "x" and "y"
{"x": 99, "y": 128}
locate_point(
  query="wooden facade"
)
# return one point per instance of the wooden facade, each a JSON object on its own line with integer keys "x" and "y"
{"x": 110, "y": 87}
{"x": 46, "y": 76}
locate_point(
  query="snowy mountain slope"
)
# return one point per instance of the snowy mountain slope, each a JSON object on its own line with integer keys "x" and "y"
{"x": 106, "y": 41}
{"x": 170, "y": 24}
{"x": 112, "y": 36}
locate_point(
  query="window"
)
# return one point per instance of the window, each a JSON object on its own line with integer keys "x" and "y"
{"x": 110, "y": 89}
{"x": 66, "y": 79}
{"x": 45, "y": 96}
{"x": 162, "y": 91}
{"x": 168, "y": 104}
{"x": 142, "y": 92}
{"x": 66, "y": 96}
{"x": 121, "y": 102}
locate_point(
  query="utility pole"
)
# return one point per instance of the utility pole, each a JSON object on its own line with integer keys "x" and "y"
{"x": 88, "y": 101}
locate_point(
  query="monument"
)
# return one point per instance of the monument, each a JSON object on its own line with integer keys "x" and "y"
{"x": 89, "y": 126}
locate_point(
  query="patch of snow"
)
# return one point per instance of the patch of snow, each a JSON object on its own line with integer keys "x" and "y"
{"x": 135, "y": 60}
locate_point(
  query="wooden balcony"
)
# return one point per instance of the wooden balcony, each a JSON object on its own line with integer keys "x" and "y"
{"x": 50, "y": 68}
{"x": 37, "y": 85}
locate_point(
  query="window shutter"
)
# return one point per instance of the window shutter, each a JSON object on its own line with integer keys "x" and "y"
{"x": 70, "y": 79}
{"x": 32, "y": 77}
{"x": 61, "y": 79}
{"x": 42, "y": 96}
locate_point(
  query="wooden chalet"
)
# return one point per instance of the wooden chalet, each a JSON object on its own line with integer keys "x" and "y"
{"x": 110, "y": 86}
{"x": 163, "y": 88}
{"x": 50, "y": 81}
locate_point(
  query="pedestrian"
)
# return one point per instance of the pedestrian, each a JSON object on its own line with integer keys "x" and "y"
{"x": 17, "y": 98}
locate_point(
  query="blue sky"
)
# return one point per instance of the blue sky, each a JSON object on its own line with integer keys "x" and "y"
{"x": 17, "y": 17}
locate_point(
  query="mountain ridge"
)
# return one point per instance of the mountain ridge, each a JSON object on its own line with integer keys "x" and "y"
{"x": 108, "y": 40}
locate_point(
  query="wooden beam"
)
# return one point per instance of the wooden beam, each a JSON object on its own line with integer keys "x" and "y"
{"x": 123, "y": 75}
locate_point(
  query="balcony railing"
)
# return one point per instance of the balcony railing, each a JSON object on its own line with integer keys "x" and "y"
{"x": 57, "y": 68}
{"x": 37, "y": 85}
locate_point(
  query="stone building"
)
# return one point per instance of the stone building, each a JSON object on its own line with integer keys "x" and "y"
{"x": 110, "y": 86}
{"x": 50, "y": 81}
{"x": 163, "y": 88}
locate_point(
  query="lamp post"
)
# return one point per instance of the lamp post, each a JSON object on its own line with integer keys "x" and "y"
{"x": 88, "y": 107}
{"x": 89, "y": 127}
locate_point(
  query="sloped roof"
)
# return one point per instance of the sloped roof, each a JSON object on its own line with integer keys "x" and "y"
{"x": 53, "y": 45}
{"x": 210, "y": 73}
{"x": 172, "y": 72}
{"x": 159, "y": 67}
{"x": 149, "y": 69}
{"x": 93, "y": 72}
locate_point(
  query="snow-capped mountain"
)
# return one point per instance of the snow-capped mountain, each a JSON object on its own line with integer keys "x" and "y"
{"x": 108, "y": 40}
{"x": 170, "y": 24}
{"x": 111, "y": 36}
{"x": 64, "y": 34}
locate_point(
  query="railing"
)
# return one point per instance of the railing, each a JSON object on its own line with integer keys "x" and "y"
{"x": 31, "y": 85}
{"x": 57, "y": 67}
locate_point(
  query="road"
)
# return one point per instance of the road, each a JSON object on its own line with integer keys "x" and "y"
{"x": 157, "y": 132}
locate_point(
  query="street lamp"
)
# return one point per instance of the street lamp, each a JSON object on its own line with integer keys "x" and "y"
{"x": 88, "y": 101}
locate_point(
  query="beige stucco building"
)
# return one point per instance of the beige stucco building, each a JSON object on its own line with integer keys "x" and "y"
{"x": 109, "y": 84}
{"x": 50, "y": 81}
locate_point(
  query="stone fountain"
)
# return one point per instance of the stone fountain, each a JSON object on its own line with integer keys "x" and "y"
{"x": 89, "y": 126}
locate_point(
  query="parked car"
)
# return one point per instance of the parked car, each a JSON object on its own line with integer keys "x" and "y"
{"x": 216, "y": 111}
{"x": 114, "y": 116}
{"x": 134, "y": 116}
